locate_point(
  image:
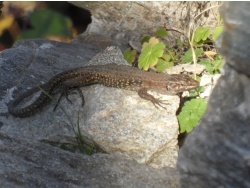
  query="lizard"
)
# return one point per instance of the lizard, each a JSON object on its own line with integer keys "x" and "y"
{"x": 110, "y": 75}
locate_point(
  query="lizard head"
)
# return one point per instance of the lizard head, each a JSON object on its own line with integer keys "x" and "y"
{"x": 181, "y": 82}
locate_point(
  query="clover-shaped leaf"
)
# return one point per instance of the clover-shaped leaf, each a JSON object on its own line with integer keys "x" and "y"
{"x": 201, "y": 34}
{"x": 150, "y": 54}
{"x": 191, "y": 113}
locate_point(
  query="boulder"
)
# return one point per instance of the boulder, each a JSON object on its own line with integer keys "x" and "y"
{"x": 217, "y": 152}
{"x": 118, "y": 122}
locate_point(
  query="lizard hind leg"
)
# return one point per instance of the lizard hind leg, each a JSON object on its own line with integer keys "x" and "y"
{"x": 65, "y": 91}
{"x": 74, "y": 84}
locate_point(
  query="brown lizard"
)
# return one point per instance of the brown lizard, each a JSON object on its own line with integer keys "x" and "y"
{"x": 111, "y": 75}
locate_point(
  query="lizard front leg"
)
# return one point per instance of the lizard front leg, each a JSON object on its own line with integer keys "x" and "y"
{"x": 143, "y": 93}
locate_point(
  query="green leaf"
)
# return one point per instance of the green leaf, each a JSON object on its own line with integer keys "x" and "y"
{"x": 161, "y": 65}
{"x": 145, "y": 39}
{"x": 218, "y": 30}
{"x": 198, "y": 51}
{"x": 198, "y": 44}
{"x": 201, "y": 34}
{"x": 48, "y": 23}
{"x": 166, "y": 57}
{"x": 211, "y": 66}
{"x": 150, "y": 54}
{"x": 179, "y": 42}
{"x": 161, "y": 33}
{"x": 169, "y": 64}
{"x": 164, "y": 63}
{"x": 207, "y": 63}
{"x": 200, "y": 89}
{"x": 188, "y": 56}
{"x": 157, "y": 51}
{"x": 191, "y": 113}
{"x": 172, "y": 54}
{"x": 218, "y": 57}
{"x": 217, "y": 64}
{"x": 129, "y": 55}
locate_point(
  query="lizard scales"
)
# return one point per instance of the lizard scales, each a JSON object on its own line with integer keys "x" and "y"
{"x": 111, "y": 75}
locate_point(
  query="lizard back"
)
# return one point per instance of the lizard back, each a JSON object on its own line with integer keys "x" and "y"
{"x": 110, "y": 75}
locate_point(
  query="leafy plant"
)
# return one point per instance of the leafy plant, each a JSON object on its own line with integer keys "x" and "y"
{"x": 212, "y": 66}
{"x": 145, "y": 39}
{"x": 188, "y": 56}
{"x": 130, "y": 55}
{"x": 151, "y": 52}
{"x": 217, "y": 32}
{"x": 201, "y": 34}
{"x": 155, "y": 53}
{"x": 191, "y": 113}
{"x": 47, "y": 23}
{"x": 161, "y": 33}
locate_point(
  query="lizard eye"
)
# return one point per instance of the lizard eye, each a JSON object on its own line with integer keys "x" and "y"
{"x": 176, "y": 87}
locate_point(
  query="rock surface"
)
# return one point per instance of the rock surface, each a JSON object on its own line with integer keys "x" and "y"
{"x": 102, "y": 119}
{"x": 216, "y": 153}
{"x": 148, "y": 136}
{"x": 119, "y": 121}
{"x": 125, "y": 21}
{"x": 27, "y": 162}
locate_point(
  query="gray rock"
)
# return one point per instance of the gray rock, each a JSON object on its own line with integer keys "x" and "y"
{"x": 29, "y": 163}
{"x": 234, "y": 42}
{"x": 120, "y": 122}
{"x": 125, "y": 21}
{"x": 102, "y": 119}
{"x": 42, "y": 59}
{"x": 217, "y": 152}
